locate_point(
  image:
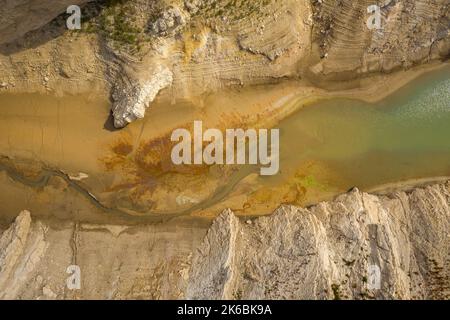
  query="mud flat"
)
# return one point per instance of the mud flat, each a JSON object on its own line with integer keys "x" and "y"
{"x": 61, "y": 156}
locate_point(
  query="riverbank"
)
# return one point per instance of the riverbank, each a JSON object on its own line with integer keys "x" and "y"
{"x": 130, "y": 170}
{"x": 322, "y": 252}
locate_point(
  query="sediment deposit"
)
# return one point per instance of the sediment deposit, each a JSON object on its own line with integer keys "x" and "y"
{"x": 322, "y": 252}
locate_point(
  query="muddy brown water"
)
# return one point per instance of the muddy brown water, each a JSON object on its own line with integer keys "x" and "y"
{"x": 326, "y": 148}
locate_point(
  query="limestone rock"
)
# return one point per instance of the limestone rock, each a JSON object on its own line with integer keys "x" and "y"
{"x": 330, "y": 251}
{"x": 410, "y": 32}
{"x": 169, "y": 21}
{"x": 192, "y": 6}
{"x": 22, "y": 247}
{"x": 215, "y": 268}
{"x": 132, "y": 99}
{"x": 12, "y": 243}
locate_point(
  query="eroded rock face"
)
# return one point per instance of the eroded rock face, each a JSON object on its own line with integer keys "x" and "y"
{"x": 410, "y": 32}
{"x": 215, "y": 270}
{"x": 134, "y": 96}
{"x": 17, "y": 17}
{"x": 22, "y": 249}
{"x": 115, "y": 262}
{"x": 169, "y": 21}
{"x": 328, "y": 251}
{"x": 233, "y": 43}
{"x": 332, "y": 250}
{"x": 192, "y": 5}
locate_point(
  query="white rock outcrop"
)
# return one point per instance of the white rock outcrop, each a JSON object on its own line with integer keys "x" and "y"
{"x": 359, "y": 246}
{"x": 332, "y": 250}
{"x": 132, "y": 99}
{"x": 22, "y": 247}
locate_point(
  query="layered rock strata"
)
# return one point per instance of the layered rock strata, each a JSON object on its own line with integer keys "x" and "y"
{"x": 358, "y": 246}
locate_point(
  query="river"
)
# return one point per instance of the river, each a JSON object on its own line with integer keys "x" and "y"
{"x": 325, "y": 148}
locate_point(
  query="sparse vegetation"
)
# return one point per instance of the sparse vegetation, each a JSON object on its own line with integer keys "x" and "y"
{"x": 233, "y": 10}
{"x": 119, "y": 22}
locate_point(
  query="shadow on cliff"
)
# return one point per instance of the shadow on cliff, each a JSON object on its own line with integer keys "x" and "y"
{"x": 50, "y": 31}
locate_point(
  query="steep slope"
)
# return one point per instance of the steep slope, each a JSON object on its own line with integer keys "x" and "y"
{"x": 329, "y": 251}
{"x": 17, "y": 17}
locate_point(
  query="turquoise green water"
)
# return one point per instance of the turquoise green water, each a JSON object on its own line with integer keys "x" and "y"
{"x": 406, "y": 136}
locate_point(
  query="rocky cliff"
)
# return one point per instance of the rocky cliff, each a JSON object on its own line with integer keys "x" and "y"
{"x": 409, "y": 33}
{"x": 205, "y": 45}
{"x": 359, "y": 246}
{"x": 17, "y": 17}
